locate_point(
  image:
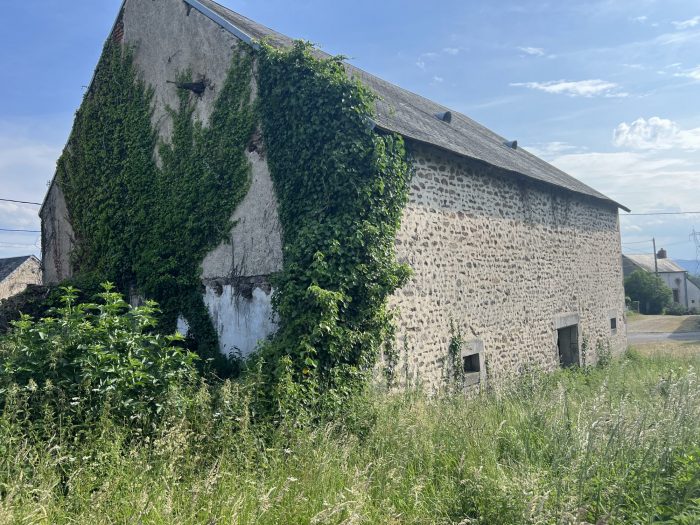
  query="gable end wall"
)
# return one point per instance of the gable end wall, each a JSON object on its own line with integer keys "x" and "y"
{"x": 29, "y": 272}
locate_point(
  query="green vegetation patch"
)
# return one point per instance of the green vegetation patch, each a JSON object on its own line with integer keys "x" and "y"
{"x": 144, "y": 226}
{"x": 650, "y": 290}
{"x": 615, "y": 445}
{"x": 341, "y": 187}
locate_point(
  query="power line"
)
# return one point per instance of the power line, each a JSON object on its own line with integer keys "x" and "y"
{"x": 632, "y": 250}
{"x": 23, "y": 231}
{"x": 663, "y": 213}
{"x": 677, "y": 243}
{"x": 17, "y": 245}
{"x": 21, "y": 202}
{"x": 636, "y": 242}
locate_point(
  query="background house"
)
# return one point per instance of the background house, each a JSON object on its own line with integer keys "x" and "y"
{"x": 685, "y": 292}
{"x": 520, "y": 257}
{"x": 18, "y": 272}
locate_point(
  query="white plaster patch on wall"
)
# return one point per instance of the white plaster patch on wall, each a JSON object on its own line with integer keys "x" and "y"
{"x": 240, "y": 322}
{"x": 254, "y": 249}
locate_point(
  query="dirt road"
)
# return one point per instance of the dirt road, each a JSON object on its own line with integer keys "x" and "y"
{"x": 650, "y": 328}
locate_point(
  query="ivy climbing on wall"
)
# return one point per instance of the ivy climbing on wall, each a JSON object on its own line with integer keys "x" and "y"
{"x": 145, "y": 226}
{"x": 342, "y": 187}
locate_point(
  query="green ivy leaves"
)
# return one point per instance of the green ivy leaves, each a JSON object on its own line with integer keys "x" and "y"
{"x": 148, "y": 227}
{"x": 342, "y": 188}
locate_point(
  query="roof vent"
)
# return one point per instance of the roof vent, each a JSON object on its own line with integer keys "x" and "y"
{"x": 512, "y": 144}
{"x": 661, "y": 254}
{"x": 445, "y": 117}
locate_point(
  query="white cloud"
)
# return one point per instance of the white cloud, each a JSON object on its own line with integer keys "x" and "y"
{"x": 25, "y": 167}
{"x": 687, "y": 24}
{"x": 534, "y": 51}
{"x": 19, "y": 217}
{"x": 552, "y": 149}
{"x": 631, "y": 228}
{"x": 655, "y": 133}
{"x": 438, "y": 79}
{"x": 580, "y": 88}
{"x": 424, "y": 58}
{"x": 643, "y": 182}
{"x": 640, "y": 19}
{"x": 693, "y": 73}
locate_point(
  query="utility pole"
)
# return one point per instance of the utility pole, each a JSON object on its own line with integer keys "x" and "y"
{"x": 656, "y": 263}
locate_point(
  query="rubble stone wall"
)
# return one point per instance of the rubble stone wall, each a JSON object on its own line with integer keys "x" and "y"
{"x": 29, "y": 272}
{"x": 507, "y": 262}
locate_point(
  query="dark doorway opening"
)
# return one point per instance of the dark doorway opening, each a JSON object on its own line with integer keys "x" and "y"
{"x": 567, "y": 342}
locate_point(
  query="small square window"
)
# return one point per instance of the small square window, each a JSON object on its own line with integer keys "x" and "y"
{"x": 471, "y": 363}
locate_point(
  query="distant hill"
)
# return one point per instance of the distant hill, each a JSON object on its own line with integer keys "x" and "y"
{"x": 690, "y": 265}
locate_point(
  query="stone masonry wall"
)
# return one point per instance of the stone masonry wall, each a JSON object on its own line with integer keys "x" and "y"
{"x": 507, "y": 262}
{"x": 29, "y": 272}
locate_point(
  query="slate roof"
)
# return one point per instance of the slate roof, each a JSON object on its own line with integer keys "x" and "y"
{"x": 645, "y": 261}
{"x": 413, "y": 116}
{"x": 9, "y": 265}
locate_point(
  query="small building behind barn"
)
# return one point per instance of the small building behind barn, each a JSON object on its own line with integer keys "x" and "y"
{"x": 16, "y": 273}
{"x": 685, "y": 291}
{"x": 520, "y": 258}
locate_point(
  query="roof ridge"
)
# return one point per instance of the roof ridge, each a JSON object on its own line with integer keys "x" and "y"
{"x": 413, "y": 116}
{"x": 8, "y": 265}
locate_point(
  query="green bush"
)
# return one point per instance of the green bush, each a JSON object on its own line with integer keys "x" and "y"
{"x": 651, "y": 292}
{"x": 676, "y": 309}
{"x": 613, "y": 445}
{"x": 90, "y": 357}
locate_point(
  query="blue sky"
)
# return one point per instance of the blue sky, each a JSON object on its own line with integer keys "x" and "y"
{"x": 606, "y": 90}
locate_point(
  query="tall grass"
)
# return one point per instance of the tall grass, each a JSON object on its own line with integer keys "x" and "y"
{"x": 613, "y": 445}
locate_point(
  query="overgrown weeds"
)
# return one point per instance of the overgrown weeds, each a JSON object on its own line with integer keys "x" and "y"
{"x": 617, "y": 444}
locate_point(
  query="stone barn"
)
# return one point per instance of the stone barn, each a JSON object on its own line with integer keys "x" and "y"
{"x": 520, "y": 259}
{"x": 16, "y": 273}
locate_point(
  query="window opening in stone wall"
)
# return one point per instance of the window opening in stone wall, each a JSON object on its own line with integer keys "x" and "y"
{"x": 567, "y": 343}
{"x": 473, "y": 362}
{"x": 676, "y": 296}
{"x": 613, "y": 325}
